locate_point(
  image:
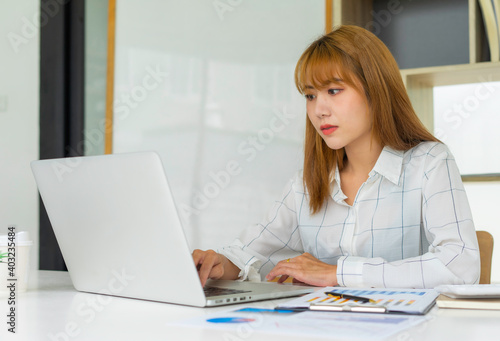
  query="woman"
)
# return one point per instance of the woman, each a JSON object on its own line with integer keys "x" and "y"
{"x": 380, "y": 202}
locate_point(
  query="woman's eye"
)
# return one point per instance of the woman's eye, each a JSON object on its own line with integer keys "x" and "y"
{"x": 310, "y": 97}
{"x": 334, "y": 91}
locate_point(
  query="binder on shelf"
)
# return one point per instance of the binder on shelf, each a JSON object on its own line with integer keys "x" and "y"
{"x": 490, "y": 11}
{"x": 496, "y": 8}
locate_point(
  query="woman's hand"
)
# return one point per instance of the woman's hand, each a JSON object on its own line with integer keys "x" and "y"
{"x": 306, "y": 269}
{"x": 213, "y": 265}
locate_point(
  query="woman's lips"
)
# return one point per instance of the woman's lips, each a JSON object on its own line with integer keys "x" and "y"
{"x": 327, "y": 129}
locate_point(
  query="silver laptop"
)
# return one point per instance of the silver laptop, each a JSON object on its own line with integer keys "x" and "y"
{"x": 116, "y": 223}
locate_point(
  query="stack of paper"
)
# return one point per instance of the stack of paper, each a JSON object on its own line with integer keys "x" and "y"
{"x": 243, "y": 323}
{"x": 480, "y": 296}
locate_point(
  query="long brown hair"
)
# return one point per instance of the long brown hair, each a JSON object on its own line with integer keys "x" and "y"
{"x": 362, "y": 61}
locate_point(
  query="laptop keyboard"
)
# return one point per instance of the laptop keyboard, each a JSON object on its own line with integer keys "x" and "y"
{"x": 215, "y": 291}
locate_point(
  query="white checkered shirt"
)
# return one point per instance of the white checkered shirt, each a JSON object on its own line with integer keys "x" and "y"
{"x": 410, "y": 226}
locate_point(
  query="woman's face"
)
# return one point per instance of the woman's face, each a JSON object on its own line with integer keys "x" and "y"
{"x": 340, "y": 115}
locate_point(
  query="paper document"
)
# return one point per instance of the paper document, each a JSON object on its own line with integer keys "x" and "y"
{"x": 474, "y": 296}
{"x": 468, "y": 303}
{"x": 470, "y": 291}
{"x": 242, "y": 323}
{"x": 405, "y": 301}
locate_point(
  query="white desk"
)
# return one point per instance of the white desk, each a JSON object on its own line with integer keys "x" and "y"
{"x": 53, "y": 310}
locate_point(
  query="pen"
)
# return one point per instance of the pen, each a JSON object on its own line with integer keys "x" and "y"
{"x": 351, "y": 297}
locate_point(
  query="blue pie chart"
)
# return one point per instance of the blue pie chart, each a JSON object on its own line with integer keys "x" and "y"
{"x": 230, "y": 320}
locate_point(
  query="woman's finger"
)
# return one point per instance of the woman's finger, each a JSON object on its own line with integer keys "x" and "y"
{"x": 208, "y": 264}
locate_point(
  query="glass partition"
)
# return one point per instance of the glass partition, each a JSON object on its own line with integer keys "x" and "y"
{"x": 209, "y": 86}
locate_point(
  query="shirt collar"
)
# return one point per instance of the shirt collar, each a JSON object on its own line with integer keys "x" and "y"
{"x": 388, "y": 165}
{"x": 337, "y": 194}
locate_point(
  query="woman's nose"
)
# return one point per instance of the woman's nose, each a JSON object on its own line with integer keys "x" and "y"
{"x": 323, "y": 107}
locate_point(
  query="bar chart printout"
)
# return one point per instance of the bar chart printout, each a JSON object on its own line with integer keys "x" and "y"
{"x": 413, "y": 301}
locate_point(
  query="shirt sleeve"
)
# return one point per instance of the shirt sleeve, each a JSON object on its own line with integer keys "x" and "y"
{"x": 277, "y": 237}
{"x": 453, "y": 254}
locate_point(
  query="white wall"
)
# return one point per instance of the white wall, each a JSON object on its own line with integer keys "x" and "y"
{"x": 466, "y": 118}
{"x": 19, "y": 112}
